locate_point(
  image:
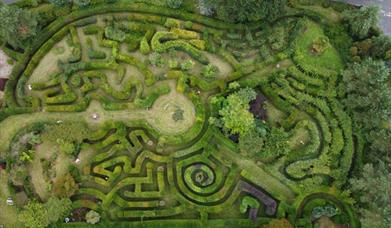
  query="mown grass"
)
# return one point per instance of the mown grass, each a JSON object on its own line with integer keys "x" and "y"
{"x": 322, "y": 63}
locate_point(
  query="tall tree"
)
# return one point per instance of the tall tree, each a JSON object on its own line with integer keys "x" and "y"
{"x": 18, "y": 26}
{"x": 360, "y": 21}
{"x": 247, "y": 10}
{"x": 235, "y": 113}
{"x": 381, "y": 47}
{"x": 373, "y": 193}
{"x": 368, "y": 97}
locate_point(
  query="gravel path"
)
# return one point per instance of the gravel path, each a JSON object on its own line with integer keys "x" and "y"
{"x": 5, "y": 68}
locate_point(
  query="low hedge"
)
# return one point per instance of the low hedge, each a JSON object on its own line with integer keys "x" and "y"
{"x": 182, "y": 45}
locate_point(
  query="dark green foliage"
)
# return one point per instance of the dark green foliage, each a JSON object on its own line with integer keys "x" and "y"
{"x": 82, "y": 3}
{"x": 372, "y": 190}
{"x": 92, "y": 53}
{"x": 178, "y": 114}
{"x": 275, "y": 144}
{"x": 361, "y": 21}
{"x": 18, "y": 26}
{"x": 113, "y": 33}
{"x": 175, "y": 4}
{"x": 251, "y": 143}
{"x": 381, "y": 47}
{"x": 60, "y": 3}
{"x": 234, "y": 112}
{"x": 247, "y": 10}
{"x": 58, "y": 209}
{"x": 369, "y": 99}
{"x": 209, "y": 72}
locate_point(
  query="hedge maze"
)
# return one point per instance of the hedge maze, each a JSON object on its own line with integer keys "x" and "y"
{"x": 134, "y": 74}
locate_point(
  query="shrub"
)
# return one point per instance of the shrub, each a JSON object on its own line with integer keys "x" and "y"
{"x": 92, "y": 217}
{"x": 82, "y": 3}
{"x": 174, "y": 4}
{"x": 60, "y": 3}
{"x": 144, "y": 46}
{"x": 209, "y": 72}
{"x": 187, "y": 65}
{"x": 113, "y": 33}
{"x": 178, "y": 114}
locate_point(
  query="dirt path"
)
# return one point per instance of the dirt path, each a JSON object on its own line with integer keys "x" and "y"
{"x": 5, "y": 68}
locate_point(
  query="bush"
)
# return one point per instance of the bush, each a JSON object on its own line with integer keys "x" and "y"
{"x": 209, "y": 72}
{"x": 113, "y": 33}
{"x": 92, "y": 217}
{"x": 174, "y": 4}
{"x": 82, "y": 3}
{"x": 187, "y": 65}
{"x": 144, "y": 46}
{"x": 60, "y": 3}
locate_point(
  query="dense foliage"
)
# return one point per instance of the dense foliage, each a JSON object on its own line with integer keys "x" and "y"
{"x": 18, "y": 26}
{"x": 36, "y": 214}
{"x": 247, "y": 10}
{"x": 368, "y": 96}
{"x": 235, "y": 117}
{"x": 372, "y": 190}
{"x": 361, "y": 21}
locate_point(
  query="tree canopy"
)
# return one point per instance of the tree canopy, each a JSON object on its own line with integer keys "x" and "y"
{"x": 247, "y": 10}
{"x": 235, "y": 113}
{"x": 34, "y": 214}
{"x": 361, "y": 21}
{"x": 369, "y": 99}
{"x": 373, "y": 193}
{"x": 18, "y": 26}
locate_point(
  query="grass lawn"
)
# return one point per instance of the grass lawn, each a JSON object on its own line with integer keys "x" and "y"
{"x": 322, "y": 63}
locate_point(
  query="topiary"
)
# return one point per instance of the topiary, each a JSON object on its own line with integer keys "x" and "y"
{"x": 144, "y": 46}
{"x": 92, "y": 217}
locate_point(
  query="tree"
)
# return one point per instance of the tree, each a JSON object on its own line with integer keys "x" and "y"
{"x": 60, "y": 3}
{"x": 372, "y": 191}
{"x": 92, "y": 217}
{"x": 65, "y": 186}
{"x": 18, "y": 26}
{"x": 361, "y": 21}
{"x": 58, "y": 208}
{"x": 368, "y": 98}
{"x": 251, "y": 143}
{"x": 235, "y": 113}
{"x": 34, "y": 215}
{"x": 82, "y": 3}
{"x": 175, "y": 4}
{"x": 275, "y": 144}
{"x": 247, "y": 10}
{"x": 380, "y": 46}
